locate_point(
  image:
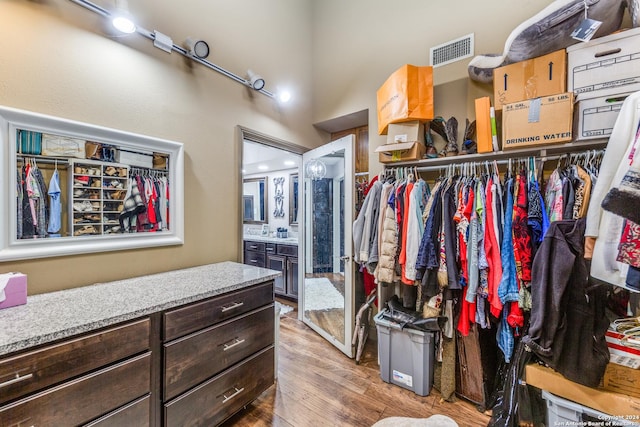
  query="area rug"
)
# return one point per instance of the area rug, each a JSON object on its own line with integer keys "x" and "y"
{"x": 284, "y": 308}
{"x": 432, "y": 421}
{"x": 320, "y": 294}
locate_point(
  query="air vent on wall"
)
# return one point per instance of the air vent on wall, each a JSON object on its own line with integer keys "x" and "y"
{"x": 451, "y": 51}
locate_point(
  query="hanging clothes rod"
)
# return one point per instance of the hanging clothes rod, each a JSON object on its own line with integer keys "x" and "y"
{"x": 361, "y": 173}
{"x": 63, "y": 161}
{"x": 479, "y": 162}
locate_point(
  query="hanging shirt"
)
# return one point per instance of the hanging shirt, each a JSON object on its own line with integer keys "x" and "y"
{"x": 521, "y": 237}
{"x": 55, "y": 205}
{"x": 492, "y": 249}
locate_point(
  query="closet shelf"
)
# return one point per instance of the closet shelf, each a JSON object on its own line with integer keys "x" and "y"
{"x": 538, "y": 151}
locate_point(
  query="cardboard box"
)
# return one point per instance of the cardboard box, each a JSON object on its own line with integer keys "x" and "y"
{"x": 620, "y": 379}
{"x": 405, "y": 96}
{"x": 533, "y": 78}
{"x": 13, "y": 289}
{"x": 402, "y": 152}
{"x": 622, "y": 354}
{"x": 604, "y": 63}
{"x": 601, "y": 400}
{"x": 539, "y": 121}
{"x": 595, "y": 117}
{"x": 405, "y": 132}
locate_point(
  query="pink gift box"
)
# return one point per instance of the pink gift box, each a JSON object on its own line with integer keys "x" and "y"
{"x": 16, "y": 291}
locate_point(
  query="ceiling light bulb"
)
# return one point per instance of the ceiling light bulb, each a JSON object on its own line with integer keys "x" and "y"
{"x": 124, "y": 24}
{"x": 255, "y": 81}
{"x": 121, "y": 18}
{"x": 284, "y": 96}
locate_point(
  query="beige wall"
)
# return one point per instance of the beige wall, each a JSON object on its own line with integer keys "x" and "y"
{"x": 358, "y": 43}
{"x": 57, "y": 60}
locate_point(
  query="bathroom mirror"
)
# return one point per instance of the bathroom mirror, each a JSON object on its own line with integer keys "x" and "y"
{"x": 254, "y": 198}
{"x": 293, "y": 199}
{"x": 90, "y": 171}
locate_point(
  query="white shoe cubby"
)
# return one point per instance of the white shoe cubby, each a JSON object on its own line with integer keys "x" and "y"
{"x": 97, "y": 197}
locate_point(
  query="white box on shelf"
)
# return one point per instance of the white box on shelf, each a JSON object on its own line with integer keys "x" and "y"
{"x": 136, "y": 158}
{"x": 595, "y": 117}
{"x": 604, "y": 63}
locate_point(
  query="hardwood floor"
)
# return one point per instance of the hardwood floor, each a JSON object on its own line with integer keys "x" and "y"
{"x": 317, "y": 385}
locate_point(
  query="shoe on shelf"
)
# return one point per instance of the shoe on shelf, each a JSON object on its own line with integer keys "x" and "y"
{"x": 87, "y": 229}
{"x": 111, "y": 230}
{"x": 122, "y": 172}
{"x": 110, "y": 170}
{"x": 81, "y": 181}
{"x": 84, "y": 206}
{"x": 79, "y": 193}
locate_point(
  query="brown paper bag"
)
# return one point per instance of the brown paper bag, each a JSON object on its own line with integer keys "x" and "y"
{"x": 406, "y": 95}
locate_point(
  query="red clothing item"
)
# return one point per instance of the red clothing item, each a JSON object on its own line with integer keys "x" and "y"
{"x": 366, "y": 191}
{"x": 492, "y": 250}
{"x": 521, "y": 234}
{"x": 467, "y": 314}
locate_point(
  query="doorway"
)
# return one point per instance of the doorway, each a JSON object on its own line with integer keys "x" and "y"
{"x": 326, "y": 200}
{"x": 270, "y": 200}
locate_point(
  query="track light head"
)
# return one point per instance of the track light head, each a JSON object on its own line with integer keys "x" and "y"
{"x": 121, "y": 18}
{"x": 256, "y": 82}
{"x": 196, "y": 48}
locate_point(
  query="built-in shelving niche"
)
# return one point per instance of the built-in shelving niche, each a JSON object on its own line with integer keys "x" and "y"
{"x": 12, "y": 158}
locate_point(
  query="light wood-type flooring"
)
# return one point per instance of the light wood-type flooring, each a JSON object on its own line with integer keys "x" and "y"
{"x": 319, "y": 386}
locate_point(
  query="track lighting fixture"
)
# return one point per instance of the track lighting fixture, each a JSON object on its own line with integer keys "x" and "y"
{"x": 197, "y": 48}
{"x": 255, "y": 81}
{"x": 121, "y": 18}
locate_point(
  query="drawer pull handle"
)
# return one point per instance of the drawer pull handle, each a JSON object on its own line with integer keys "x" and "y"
{"x": 255, "y": 261}
{"x": 253, "y": 247}
{"x": 235, "y": 393}
{"x": 232, "y": 306}
{"x": 235, "y": 343}
{"x": 17, "y": 379}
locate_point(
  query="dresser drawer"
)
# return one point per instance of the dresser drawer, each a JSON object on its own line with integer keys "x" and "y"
{"x": 136, "y": 413}
{"x": 197, "y": 357}
{"x": 288, "y": 250}
{"x": 29, "y": 372}
{"x": 83, "y": 399}
{"x": 217, "y": 399}
{"x": 193, "y": 317}
{"x": 257, "y": 259}
{"x": 254, "y": 246}
{"x": 270, "y": 248}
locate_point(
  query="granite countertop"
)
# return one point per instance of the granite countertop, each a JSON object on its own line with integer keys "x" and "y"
{"x": 287, "y": 241}
{"x": 56, "y": 315}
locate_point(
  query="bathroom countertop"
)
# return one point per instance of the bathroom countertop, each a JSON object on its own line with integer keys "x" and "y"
{"x": 56, "y": 315}
{"x": 286, "y": 241}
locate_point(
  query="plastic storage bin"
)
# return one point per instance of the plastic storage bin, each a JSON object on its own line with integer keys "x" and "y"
{"x": 406, "y": 356}
{"x": 563, "y": 412}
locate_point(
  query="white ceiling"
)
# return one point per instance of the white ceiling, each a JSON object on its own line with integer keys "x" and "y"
{"x": 255, "y": 155}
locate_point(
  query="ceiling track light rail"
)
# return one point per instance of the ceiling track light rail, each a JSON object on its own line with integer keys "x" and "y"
{"x": 151, "y": 35}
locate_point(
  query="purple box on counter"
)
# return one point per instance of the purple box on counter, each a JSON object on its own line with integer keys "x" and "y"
{"x": 13, "y": 289}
